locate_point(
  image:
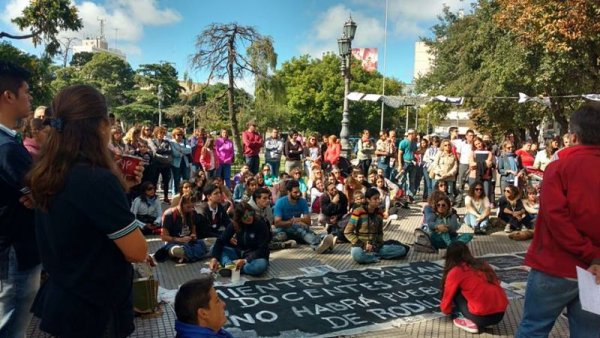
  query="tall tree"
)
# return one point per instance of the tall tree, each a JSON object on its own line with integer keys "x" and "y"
{"x": 45, "y": 18}
{"x": 81, "y": 58}
{"x": 150, "y": 76}
{"x": 220, "y": 49}
{"x": 314, "y": 94}
{"x": 112, "y": 75}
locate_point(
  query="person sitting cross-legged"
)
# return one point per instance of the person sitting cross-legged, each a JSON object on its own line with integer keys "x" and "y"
{"x": 443, "y": 224}
{"x": 199, "y": 310}
{"x": 292, "y": 219}
{"x": 334, "y": 206}
{"x": 365, "y": 231}
{"x": 179, "y": 231}
{"x": 261, "y": 203}
{"x": 245, "y": 243}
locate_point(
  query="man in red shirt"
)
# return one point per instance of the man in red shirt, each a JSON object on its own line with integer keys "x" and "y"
{"x": 252, "y": 143}
{"x": 567, "y": 234}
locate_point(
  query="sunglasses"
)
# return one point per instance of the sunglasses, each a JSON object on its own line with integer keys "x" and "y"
{"x": 478, "y": 189}
{"x": 442, "y": 205}
{"x": 507, "y": 190}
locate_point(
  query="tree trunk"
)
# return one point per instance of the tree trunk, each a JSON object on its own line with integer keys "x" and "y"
{"x": 559, "y": 117}
{"x": 230, "y": 99}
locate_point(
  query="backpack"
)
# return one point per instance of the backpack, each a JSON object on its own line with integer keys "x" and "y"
{"x": 423, "y": 242}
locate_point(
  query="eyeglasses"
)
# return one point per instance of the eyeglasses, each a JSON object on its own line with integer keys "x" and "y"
{"x": 441, "y": 205}
{"x": 149, "y": 188}
{"x": 178, "y": 134}
{"x": 507, "y": 190}
{"x": 478, "y": 189}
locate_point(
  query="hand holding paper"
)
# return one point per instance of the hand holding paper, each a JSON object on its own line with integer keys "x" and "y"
{"x": 589, "y": 291}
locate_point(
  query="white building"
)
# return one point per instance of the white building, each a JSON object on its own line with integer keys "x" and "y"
{"x": 98, "y": 45}
{"x": 423, "y": 60}
{"x": 455, "y": 118}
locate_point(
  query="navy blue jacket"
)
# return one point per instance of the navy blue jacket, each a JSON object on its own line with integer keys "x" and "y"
{"x": 16, "y": 221}
{"x": 252, "y": 240}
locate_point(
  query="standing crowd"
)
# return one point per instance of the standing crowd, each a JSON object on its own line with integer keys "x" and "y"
{"x": 75, "y": 149}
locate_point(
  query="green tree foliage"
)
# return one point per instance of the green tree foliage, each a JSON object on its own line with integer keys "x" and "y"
{"x": 220, "y": 50}
{"x": 45, "y": 18}
{"x": 41, "y": 76}
{"x": 149, "y": 76}
{"x": 80, "y": 59}
{"x": 112, "y": 75}
{"x": 314, "y": 93}
{"x": 475, "y": 56}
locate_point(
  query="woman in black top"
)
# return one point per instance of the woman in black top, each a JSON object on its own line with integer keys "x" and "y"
{"x": 162, "y": 160}
{"x": 292, "y": 149}
{"x": 86, "y": 247}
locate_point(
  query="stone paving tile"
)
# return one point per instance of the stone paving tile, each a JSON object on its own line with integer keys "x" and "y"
{"x": 286, "y": 263}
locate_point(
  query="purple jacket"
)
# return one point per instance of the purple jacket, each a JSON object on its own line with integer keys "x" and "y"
{"x": 224, "y": 150}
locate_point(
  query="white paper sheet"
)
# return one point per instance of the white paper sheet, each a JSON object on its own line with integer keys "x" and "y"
{"x": 589, "y": 291}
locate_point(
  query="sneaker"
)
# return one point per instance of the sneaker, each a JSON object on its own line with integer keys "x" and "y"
{"x": 177, "y": 251}
{"x": 507, "y": 229}
{"x": 325, "y": 244}
{"x": 283, "y": 245}
{"x": 466, "y": 324}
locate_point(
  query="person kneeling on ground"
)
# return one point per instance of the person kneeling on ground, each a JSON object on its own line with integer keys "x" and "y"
{"x": 365, "y": 232}
{"x": 471, "y": 291}
{"x": 292, "y": 219}
{"x": 179, "y": 231}
{"x": 443, "y": 224}
{"x": 244, "y": 244}
{"x": 199, "y": 310}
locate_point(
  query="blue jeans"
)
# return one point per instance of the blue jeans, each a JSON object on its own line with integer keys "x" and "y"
{"x": 252, "y": 162}
{"x": 274, "y": 164}
{"x": 428, "y": 183}
{"x": 224, "y": 172}
{"x": 545, "y": 298}
{"x": 471, "y": 221}
{"x": 194, "y": 250}
{"x": 16, "y": 296}
{"x": 181, "y": 173}
{"x": 387, "y": 251}
{"x": 408, "y": 179}
{"x": 298, "y": 232}
{"x": 441, "y": 240}
{"x": 256, "y": 267}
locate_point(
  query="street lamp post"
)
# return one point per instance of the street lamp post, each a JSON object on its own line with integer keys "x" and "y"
{"x": 159, "y": 95}
{"x": 345, "y": 49}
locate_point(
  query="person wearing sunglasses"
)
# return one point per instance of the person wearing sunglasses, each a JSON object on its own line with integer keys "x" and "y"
{"x": 445, "y": 167}
{"x": 512, "y": 211}
{"x": 244, "y": 243}
{"x": 443, "y": 224}
{"x": 478, "y": 208}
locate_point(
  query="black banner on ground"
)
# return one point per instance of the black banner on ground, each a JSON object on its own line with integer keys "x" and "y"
{"x": 336, "y": 301}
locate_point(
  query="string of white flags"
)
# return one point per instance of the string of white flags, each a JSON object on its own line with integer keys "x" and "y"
{"x": 401, "y": 101}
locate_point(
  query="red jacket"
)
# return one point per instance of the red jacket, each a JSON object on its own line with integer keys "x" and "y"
{"x": 567, "y": 230}
{"x": 252, "y": 143}
{"x": 332, "y": 155}
{"x": 483, "y": 298}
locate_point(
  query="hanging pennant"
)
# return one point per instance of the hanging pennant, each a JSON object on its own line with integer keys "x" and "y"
{"x": 543, "y": 100}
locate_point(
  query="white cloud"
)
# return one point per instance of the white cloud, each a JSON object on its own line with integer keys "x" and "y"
{"x": 328, "y": 28}
{"x": 124, "y": 20}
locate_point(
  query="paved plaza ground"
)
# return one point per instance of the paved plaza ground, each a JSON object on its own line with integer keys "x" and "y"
{"x": 286, "y": 263}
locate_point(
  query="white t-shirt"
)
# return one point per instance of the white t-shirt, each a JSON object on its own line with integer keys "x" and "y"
{"x": 480, "y": 206}
{"x": 466, "y": 153}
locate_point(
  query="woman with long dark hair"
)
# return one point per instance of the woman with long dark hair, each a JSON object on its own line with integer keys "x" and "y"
{"x": 471, "y": 291}
{"x": 147, "y": 209}
{"x": 86, "y": 247}
{"x": 179, "y": 231}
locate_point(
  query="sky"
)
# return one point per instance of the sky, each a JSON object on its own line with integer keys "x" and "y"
{"x": 150, "y": 31}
